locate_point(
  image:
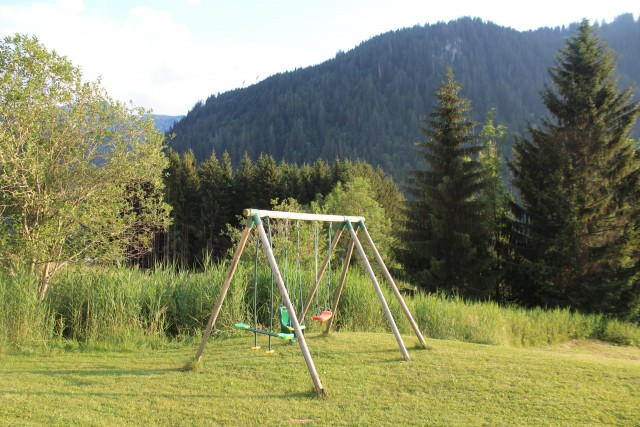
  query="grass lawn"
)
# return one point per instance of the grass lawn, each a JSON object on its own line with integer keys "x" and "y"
{"x": 578, "y": 383}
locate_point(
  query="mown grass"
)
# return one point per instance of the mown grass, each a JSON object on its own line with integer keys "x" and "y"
{"x": 368, "y": 383}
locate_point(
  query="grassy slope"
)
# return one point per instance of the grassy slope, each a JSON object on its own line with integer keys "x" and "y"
{"x": 454, "y": 383}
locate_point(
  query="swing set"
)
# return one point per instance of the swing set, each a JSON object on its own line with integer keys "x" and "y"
{"x": 286, "y": 328}
{"x": 292, "y": 323}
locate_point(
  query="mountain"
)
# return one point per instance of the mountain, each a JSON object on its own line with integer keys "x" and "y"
{"x": 367, "y": 103}
{"x": 164, "y": 123}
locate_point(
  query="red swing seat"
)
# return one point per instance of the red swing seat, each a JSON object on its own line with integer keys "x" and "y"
{"x": 323, "y": 317}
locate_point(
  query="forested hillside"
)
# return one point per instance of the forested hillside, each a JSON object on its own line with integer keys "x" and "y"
{"x": 367, "y": 103}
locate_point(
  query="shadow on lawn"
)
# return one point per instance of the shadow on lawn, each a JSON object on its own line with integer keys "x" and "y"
{"x": 99, "y": 371}
{"x": 221, "y": 394}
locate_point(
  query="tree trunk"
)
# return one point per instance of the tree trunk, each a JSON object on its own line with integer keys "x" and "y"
{"x": 44, "y": 280}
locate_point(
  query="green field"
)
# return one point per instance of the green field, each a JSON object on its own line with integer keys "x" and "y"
{"x": 368, "y": 383}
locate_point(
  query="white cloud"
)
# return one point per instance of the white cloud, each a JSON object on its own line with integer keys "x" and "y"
{"x": 141, "y": 58}
{"x": 167, "y": 54}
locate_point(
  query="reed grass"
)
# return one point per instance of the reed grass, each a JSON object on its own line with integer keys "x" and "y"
{"x": 491, "y": 323}
{"x": 24, "y": 321}
{"x": 128, "y": 308}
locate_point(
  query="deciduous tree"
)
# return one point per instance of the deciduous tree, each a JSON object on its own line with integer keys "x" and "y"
{"x": 68, "y": 157}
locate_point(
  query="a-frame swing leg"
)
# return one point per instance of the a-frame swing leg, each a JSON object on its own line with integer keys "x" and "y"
{"x": 394, "y": 288}
{"x": 376, "y": 285}
{"x": 343, "y": 276}
{"x": 223, "y": 291}
{"x": 287, "y": 302}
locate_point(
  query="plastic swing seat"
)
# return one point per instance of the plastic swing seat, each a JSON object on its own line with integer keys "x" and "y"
{"x": 285, "y": 321}
{"x": 281, "y": 335}
{"x": 323, "y": 317}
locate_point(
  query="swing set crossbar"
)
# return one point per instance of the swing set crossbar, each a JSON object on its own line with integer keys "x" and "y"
{"x": 248, "y": 213}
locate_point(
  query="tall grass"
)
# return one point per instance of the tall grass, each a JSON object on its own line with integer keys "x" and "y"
{"x": 24, "y": 321}
{"x": 490, "y": 323}
{"x": 110, "y": 303}
{"x": 126, "y": 307}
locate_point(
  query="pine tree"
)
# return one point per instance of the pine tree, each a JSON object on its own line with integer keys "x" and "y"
{"x": 446, "y": 233}
{"x": 576, "y": 174}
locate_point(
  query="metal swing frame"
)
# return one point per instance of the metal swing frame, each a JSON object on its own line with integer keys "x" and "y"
{"x": 353, "y": 224}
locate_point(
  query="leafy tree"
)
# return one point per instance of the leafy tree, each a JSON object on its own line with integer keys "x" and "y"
{"x": 355, "y": 198}
{"x": 446, "y": 230}
{"x": 578, "y": 178}
{"x": 70, "y": 157}
{"x": 385, "y": 190}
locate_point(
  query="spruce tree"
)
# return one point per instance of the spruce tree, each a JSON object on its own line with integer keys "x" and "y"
{"x": 446, "y": 233}
{"x": 216, "y": 184}
{"x": 190, "y": 205}
{"x": 576, "y": 174}
{"x": 173, "y": 193}
{"x": 497, "y": 199}
{"x": 243, "y": 188}
{"x": 266, "y": 181}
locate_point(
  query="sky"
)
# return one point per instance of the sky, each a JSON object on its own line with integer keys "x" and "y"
{"x": 166, "y": 55}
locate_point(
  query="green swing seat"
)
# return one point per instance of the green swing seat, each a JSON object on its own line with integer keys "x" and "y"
{"x": 285, "y": 320}
{"x": 283, "y": 336}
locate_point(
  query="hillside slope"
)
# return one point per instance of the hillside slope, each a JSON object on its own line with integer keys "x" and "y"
{"x": 368, "y": 103}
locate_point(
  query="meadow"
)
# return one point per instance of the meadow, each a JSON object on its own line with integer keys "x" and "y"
{"x": 454, "y": 383}
{"x": 108, "y": 346}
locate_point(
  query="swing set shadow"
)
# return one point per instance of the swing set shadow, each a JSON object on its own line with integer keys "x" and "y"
{"x": 294, "y": 329}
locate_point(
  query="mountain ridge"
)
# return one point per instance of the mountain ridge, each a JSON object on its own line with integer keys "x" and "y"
{"x": 164, "y": 122}
{"x": 367, "y": 103}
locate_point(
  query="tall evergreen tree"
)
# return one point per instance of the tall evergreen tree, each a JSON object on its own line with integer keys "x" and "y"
{"x": 243, "y": 187}
{"x": 576, "y": 174}
{"x": 216, "y": 183}
{"x": 190, "y": 207}
{"x": 446, "y": 232}
{"x": 498, "y": 200}
{"x": 173, "y": 192}
{"x": 266, "y": 181}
